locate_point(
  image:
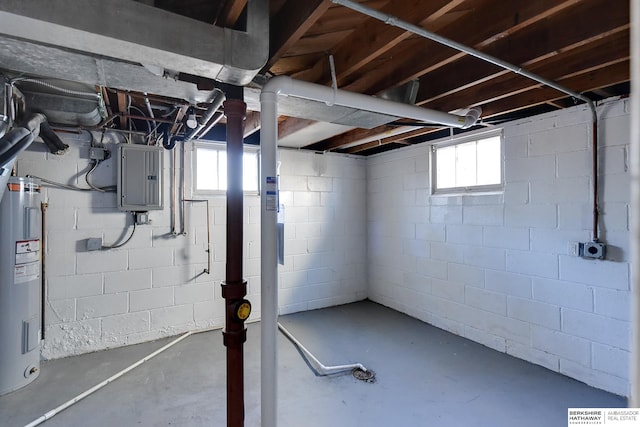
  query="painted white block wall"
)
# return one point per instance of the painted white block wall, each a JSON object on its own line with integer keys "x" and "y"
{"x": 496, "y": 268}
{"x": 154, "y": 286}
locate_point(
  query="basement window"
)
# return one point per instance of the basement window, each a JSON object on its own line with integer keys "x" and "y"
{"x": 468, "y": 165}
{"x": 210, "y": 169}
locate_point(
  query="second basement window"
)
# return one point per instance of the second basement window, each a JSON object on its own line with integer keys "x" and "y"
{"x": 211, "y": 169}
{"x": 468, "y": 165}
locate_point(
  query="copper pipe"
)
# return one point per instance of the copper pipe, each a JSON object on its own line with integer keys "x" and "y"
{"x": 234, "y": 288}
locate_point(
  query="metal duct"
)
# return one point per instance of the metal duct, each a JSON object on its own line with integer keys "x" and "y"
{"x": 111, "y": 29}
{"x": 65, "y": 109}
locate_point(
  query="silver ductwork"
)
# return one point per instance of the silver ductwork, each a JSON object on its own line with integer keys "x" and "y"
{"x": 107, "y": 33}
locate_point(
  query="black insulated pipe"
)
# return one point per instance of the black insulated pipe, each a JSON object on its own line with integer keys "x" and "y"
{"x": 52, "y": 140}
{"x": 19, "y": 138}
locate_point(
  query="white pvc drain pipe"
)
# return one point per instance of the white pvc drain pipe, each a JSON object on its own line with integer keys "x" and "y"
{"x": 286, "y": 86}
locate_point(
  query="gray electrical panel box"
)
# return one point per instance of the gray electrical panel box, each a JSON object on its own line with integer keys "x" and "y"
{"x": 139, "y": 177}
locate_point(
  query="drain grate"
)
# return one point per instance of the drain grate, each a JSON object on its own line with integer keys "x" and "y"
{"x": 367, "y": 376}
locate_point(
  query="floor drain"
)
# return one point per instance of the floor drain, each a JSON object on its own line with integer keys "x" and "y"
{"x": 362, "y": 375}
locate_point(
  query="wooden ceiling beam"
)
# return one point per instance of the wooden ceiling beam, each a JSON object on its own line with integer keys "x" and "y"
{"x": 390, "y": 140}
{"x": 177, "y": 123}
{"x": 290, "y": 23}
{"x": 480, "y": 30}
{"x": 123, "y": 103}
{"x": 251, "y": 123}
{"x": 374, "y": 38}
{"x": 536, "y": 95}
{"x": 585, "y": 82}
{"x": 356, "y": 135}
{"x": 562, "y": 67}
{"x": 291, "y": 125}
{"x": 613, "y": 49}
{"x": 537, "y": 44}
{"x": 230, "y": 13}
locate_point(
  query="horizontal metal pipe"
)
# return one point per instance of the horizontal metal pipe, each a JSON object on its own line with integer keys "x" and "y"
{"x": 397, "y": 22}
{"x": 216, "y": 103}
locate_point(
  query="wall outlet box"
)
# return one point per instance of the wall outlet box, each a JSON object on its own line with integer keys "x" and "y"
{"x": 96, "y": 153}
{"x": 593, "y": 250}
{"x": 142, "y": 218}
{"x": 94, "y": 244}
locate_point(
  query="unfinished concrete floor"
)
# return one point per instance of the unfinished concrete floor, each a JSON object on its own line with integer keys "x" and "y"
{"x": 425, "y": 377}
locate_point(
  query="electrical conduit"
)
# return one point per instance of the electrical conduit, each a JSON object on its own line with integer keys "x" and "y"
{"x": 397, "y": 22}
{"x": 109, "y": 380}
{"x": 285, "y": 86}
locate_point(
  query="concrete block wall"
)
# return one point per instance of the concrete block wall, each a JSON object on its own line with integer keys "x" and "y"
{"x": 324, "y": 199}
{"x": 155, "y": 285}
{"x": 497, "y": 268}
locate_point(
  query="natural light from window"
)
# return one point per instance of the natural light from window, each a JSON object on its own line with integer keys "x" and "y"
{"x": 211, "y": 169}
{"x": 470, "y": 165}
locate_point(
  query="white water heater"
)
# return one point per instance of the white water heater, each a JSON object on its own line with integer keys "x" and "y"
{"x": 20, "y": 283}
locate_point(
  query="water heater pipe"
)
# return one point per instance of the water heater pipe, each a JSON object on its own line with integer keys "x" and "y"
{"x": 286, "y": 86}
{"x": 397, "y": 22}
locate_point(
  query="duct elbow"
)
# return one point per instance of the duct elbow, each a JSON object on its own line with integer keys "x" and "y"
{"x": 472, "y": 117}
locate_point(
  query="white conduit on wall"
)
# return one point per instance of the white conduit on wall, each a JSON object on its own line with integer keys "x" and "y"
{"x": 285, "y": 86}
{"x": 397, "y": 22}
{"x": 634, "y": 400}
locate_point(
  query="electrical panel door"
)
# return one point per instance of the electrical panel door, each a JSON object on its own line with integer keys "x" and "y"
{"x": 139, "y": 177}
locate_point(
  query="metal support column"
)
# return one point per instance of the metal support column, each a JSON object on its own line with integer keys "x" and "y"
{"x": 234, "y": 288}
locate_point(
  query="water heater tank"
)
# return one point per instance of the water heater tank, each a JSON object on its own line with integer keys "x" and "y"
{"x": 20, "y": 291}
